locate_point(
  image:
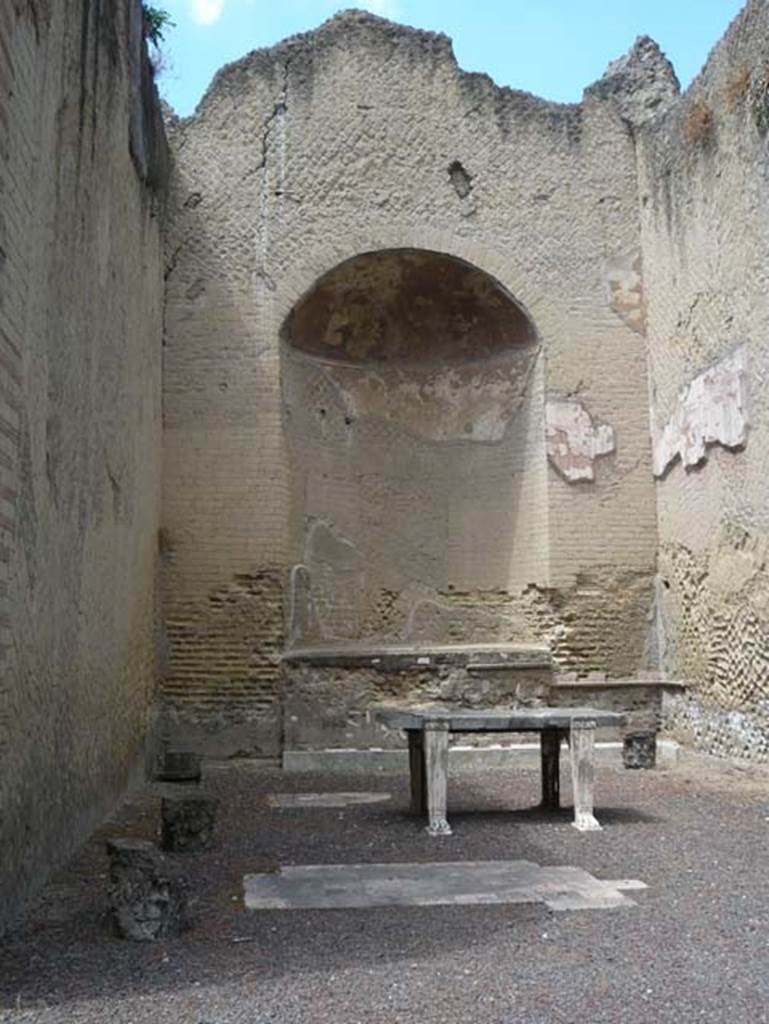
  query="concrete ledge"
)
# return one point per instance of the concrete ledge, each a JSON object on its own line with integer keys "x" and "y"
{"x": 461, "y": 758}
{"x": 600, "y": 681}
{"x": 404, "y": 657}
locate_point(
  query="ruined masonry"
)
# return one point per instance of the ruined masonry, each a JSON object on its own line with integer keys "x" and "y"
{"x": 370, "y": 382}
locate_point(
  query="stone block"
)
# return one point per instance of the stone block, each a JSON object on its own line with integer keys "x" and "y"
{"x": 187, "y": 822}
{"x": 639, "y": 750}
{"x": 178, "y": 766}
{"x": 147, "y": 894}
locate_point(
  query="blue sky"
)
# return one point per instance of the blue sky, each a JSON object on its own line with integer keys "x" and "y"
{"x": 553, "y": 48}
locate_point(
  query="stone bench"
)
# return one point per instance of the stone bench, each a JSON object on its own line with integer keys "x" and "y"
{"x": 641, "y": 699}
{"x": 327, "y": 691}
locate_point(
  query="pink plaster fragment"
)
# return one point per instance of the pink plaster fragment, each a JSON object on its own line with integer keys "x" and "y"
{"x": 711, "y": 410}
{"x": 573, "y": 440}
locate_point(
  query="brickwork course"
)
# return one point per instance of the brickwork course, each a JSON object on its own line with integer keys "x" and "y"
{"x": 375, "y": 355}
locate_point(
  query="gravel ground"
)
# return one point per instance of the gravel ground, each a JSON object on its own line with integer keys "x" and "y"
{"x": 696, "y": 947}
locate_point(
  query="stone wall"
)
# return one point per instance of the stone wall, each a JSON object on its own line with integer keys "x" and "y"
{"x": 361, "y": 137}
{"x": 80, "y": 343}
{"x": 703, "y": 178}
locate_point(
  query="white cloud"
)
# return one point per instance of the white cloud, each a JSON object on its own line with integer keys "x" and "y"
{"x": 206, "y": 12}
{"x": 325, "y": 8}
{"x": 387, "y": 8}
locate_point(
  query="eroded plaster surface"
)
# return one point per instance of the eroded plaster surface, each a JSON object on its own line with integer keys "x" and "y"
{"x": 713, "y": 409}
{"x": 472, "y": 402}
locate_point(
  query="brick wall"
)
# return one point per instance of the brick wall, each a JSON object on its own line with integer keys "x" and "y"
{"x": 17, "y": 77}
{"x": 80, "y": 341}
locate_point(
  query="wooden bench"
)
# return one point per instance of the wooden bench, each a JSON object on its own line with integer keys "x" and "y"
{"x": 428, "y": 735}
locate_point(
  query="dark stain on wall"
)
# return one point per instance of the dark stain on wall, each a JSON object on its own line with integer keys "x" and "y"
{"x": 411, "y": 306}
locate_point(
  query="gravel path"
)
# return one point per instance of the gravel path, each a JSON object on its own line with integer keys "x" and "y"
{"x": 695, "y": 948}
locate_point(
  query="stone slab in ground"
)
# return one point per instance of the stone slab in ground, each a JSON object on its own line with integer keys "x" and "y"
{"x": 325, "y": 799}
{"x": 335, "y": 886}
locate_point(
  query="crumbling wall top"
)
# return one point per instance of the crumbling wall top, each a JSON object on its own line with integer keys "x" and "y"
{"x": 642, "y": 83}
{"x": 356, "y": 29}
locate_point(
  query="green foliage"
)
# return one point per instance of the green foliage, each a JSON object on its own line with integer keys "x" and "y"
{"x": 156, "y": 21}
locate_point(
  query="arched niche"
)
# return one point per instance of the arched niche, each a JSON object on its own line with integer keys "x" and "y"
{"x": 412, "y": 399}
{"x": 410, "y": 307}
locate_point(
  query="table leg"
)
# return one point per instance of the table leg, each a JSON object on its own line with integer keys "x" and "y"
{"x": 582, "y": 744}
{"x": 417, "y": 772}
{"x": 436, "y": 747}
{"x": 550, "y": 754}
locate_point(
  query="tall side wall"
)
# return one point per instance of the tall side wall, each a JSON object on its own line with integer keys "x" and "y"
{"x": 80, "y": 342}
{"x": 704, "y": 198}
{"x": 359, "y": 137}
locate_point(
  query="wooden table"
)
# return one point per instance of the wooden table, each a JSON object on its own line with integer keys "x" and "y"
{"x": 428, "y": 734}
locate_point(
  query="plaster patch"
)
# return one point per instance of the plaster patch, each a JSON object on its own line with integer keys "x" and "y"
{"x": 336, "y": 582}
{"x": 626, "y": 290}
{"x": 302, "y": 617}
{"x": 574, "y": 440}
{"x": 325, "y": 545}
{"x": 711, "y": 410}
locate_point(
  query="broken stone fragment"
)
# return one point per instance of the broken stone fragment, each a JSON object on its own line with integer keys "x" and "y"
{"x": 147, "y": 895}
{"x": 639, "y": 750}
{"x": 187, "y": 823}
{"x": 641, "y": 84}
